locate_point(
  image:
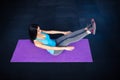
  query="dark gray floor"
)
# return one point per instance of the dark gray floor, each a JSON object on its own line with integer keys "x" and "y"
{"x": 15, "y": 16}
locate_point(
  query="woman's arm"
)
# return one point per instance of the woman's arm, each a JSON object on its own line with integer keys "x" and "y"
{"x": 56, "y": 32}
{"x": 40, "y": 45}
{"x": 53, "y": 32}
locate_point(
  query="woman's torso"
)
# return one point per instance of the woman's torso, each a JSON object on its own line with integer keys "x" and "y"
{"x": 46, "y": 40}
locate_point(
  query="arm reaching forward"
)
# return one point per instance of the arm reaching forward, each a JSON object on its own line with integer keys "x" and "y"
{"x": 40, "y": 45}
{"x": 56, "y": 32}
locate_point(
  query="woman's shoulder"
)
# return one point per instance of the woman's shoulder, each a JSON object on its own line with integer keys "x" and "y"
{"x": 36, "y": 41}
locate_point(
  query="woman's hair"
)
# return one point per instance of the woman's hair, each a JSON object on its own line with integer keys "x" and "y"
{"x": 33, "y": 31}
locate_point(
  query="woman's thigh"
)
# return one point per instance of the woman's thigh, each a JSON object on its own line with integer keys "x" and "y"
{"x": 76, "y": 38}
{"x": 60, "y": 39}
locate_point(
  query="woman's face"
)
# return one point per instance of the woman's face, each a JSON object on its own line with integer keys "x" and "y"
{"x": 38, "y": 30}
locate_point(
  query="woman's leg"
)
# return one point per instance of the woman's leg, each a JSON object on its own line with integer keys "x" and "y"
{"x": 76, "y": 36}
{"x": 58, "y": 40}
{"x": 74, "y": 39}
{"x": 66, "y": 42}
{"x": 65, "y": 37}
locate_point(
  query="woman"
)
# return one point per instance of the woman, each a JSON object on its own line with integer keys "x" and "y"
{"x": 41, "y": 38}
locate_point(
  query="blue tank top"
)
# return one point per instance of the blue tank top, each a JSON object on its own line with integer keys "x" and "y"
{"x": 47, "y": 41}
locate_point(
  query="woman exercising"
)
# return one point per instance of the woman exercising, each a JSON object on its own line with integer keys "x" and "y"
{"x": 41, "y": 38}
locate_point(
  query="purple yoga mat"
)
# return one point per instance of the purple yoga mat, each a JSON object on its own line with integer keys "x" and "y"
{"x": 25, "y": 51}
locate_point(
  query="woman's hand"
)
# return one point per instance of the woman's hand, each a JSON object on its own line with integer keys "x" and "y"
{"x": 69, "y": 48}
{"x": 67, "y": 32}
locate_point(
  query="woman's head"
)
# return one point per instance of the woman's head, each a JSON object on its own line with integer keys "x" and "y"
{"x": 34, "y": 29}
